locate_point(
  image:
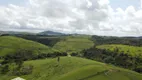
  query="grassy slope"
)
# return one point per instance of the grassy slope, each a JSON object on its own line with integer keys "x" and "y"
{"x": 73, "y": 68}
{"x": 74, "y": 44}
{"x": 9, "y": 44}
{"x": 132, "y": 50}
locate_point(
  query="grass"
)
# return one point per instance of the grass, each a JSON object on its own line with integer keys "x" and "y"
{"x": 74, "y": 68}
{"x": 74, "y": 44}
{"x": 9, "y": 44}
{"x": 1, "y": 60}
{"x": 131, "y": 50}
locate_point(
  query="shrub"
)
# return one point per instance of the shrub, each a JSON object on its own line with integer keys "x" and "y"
{"x": 5, "y": 69}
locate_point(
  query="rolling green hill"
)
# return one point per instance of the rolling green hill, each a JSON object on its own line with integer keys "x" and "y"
{"x": 73, "y": 68}
{"x": 73, "y": 44}
{"x": 131, "y": 50}
{"x": 9, "y": 44}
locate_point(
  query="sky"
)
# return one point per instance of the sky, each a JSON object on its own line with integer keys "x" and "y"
{"x": 95, "y": 17}
{"x": 125, "y": 3}
{"x": 15, "y": 2}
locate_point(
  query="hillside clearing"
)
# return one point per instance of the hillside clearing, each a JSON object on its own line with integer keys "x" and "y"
{"x": 131, "y": 50}
{"x": 10, "y": 44}
{"x": 73, "y": 44}
{"x": 74, "y": 68}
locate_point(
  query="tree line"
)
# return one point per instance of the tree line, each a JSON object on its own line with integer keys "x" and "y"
{"x": 113, "y": 57}
{"x": 133, "y": 41}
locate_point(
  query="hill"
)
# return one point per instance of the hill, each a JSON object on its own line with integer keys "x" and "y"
{"x": 73, "y": 44}
{"x": 50, "y": 33}
{"x": 131, "y": 50}
{"x": 9, "y": 44}
{"x": 43, "y": 39}
{"x": 73, "y": 68}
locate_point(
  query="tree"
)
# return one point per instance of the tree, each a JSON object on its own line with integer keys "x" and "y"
{"x": 109, "y": 59}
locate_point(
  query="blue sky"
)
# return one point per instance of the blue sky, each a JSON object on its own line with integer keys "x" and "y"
{"x": 124, "y": 3}
{"x": 114, "y": 3}
{"x": 16, "y": 2}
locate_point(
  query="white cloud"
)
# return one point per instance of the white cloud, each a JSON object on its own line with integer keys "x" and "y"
{"x": 72, "y": 16}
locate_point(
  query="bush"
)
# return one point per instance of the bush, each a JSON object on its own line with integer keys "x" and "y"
{"x": 24, "y": 70}
{"x": 109, "y": 59}
{"x": 74, "y": 54}
{"x": 5, "y": 69}
{"x": 138, "y": 69}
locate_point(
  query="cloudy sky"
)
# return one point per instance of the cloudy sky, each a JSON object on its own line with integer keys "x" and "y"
{"x": 99, "y": 17}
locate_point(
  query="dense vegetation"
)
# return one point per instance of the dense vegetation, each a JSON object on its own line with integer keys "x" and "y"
{"x": 73, "y": 68}
{"x": 133, "y": 41}
{"x": 112, "y": 57}
{"x": 130, "y": 50}
{"x": 43, "y": 39}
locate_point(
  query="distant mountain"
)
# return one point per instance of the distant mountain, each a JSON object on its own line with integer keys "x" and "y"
{"x": 140, "y": 37}
{"x": 1, "y": 32}
{"x": 51, "y": 33}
